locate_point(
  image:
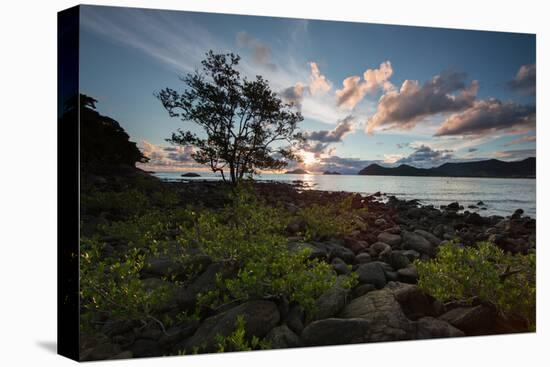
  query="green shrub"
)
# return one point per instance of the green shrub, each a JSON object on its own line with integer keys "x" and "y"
{"x": 238, "y": 341}
{"x": 330, "y": 220}
{"x": 127, "y": 202}
{"x": 112, "y": 285}
{"x": 248, "y": 234}
{"x": 486, "y": 272}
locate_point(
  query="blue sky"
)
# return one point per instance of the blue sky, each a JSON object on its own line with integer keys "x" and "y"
{"x": 368, "y": 93}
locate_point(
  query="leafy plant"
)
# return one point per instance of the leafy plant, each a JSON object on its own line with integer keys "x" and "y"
{"x": 485, "y": 272}
{"x": 238, "y": 341}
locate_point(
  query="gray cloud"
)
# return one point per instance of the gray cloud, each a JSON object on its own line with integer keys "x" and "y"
{"x": 172, "y": 157}
{"x": 471, "y": 150}
{"x": 487, "y": 116}
{"x": 525, "y": 81}
{"x": 343, "y": 127}
{"x": 341, "y": 164}
{"x": 521, "y": 140}
{"x": 294, "y": 95}
{"x": 261, "y": 53}
{"x": 425, "y": 157}
{"x": 404, "y": 108}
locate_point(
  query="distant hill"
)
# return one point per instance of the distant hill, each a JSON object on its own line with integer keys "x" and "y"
{"x": 297, "y": 171}
{"x": 487, "y": 168}
{"x": 331, "y": 173}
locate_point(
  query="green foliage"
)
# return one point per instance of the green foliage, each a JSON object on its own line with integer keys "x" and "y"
{"x": 238, "y": 341}
{"x": 128, "y": 202}
{"x": 330, "y": 220}
{"x": 248, "y": 233}
{"x": 486, "y": 272}
{"x": 112, "y": 285}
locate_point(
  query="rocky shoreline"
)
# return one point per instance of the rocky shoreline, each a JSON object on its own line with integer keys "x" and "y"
{"x": 385, "y": 305}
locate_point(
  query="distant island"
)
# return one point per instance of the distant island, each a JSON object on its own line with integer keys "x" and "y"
{"x": 190, "y": 174}
{"x": 297, "y": 171}
{"x": 493, "y": 168}
{"x": 331, "y": 173}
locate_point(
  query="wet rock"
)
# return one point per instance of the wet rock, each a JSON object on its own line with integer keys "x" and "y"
{"x": 414, "y": 241}
{"x": 372, "y": 273}
{"x": 259, "y": 316}
{"x": 429, "y": 327}
{"x": 282, "y": 337}
{"x": 393, "y": 240}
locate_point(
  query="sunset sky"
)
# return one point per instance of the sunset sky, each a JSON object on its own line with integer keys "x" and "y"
{"x": 368, "y": 93}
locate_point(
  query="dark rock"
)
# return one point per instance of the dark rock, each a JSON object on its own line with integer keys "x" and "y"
{"x": 259, "y": 316}
{"x": 372, "y": 273}
{"x": 337, "y": 251}
{"x": 146, "y": 348}
{"x": 296, "y": 225}
{"x": 205, "y": 282}
{"x": 380, "y": 249}
{"x": 178, "y": 333}
{"x": 414, "y": 241}
{"x": 473, "y": 320}
{"x": 337, "y": 331}
{"x": 380, "y": 222}
{"x": 408, "y": 274}
{"x": 356, "y": 245}
{"x": 363, "y": 289}
{"x": 391, "y": 239}
{"x": 429, "y": 327}
{"x": 295, "y": 319}
{"x": 433, "y": 240}
{"x": 331, "y": 302}
{"x": 282, "y": 337}
{"x": 190, "y": 174}
{"x": 453, "y": 206}
{"x": 480, "y": 203}
{"x": 339, "y": 266}
{"x": 414, "y": 303}
{"x": 102, "y": 351}
{"x": 398, "y": 260}
{"x": 411, "y": 254}
{"x": 517, "y": 214}
{"x": 474, "y": 218}
{"x": 363, "y": 258}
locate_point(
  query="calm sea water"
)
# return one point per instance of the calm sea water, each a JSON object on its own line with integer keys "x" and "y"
{"x": 501, "y": 195}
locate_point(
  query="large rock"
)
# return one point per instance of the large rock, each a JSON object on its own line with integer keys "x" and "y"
{"x": 408, "y": 274}
{"x": 473, "y": 320}
{"x": 337, "y": 331}
{"x": 331, "y": 301}
{"x": 337, "y": 251}
{"x": 398, "y": 260}
{"x": 282, "y": 337}
{"x": 391, "y": 239}
{"x": 414, "y": 303}
{"x": 372, "y": 273}
{"x": 432, "y": 239}
{"x": 414, "y": 241}
{"x": 429, "y": 327}
{"x": 380, "y": 249}
{"x": 259, "y": 316}
{"x": 204, "y": 283}
{"x": 386, "y": 320}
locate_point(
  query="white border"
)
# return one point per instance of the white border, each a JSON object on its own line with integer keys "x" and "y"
{"x": 28, "y": 201}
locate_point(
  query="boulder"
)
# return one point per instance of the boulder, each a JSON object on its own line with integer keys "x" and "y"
{"x": 295, "y": 319}
{"x": 429, "y": 327}
{"x": 391, "y": 239}
{"x": 146, "y": 348}
{"x": 384, "y": 314}
{"x": 341, "y": 252}
{"x": 339, "y": 266}
{"x": 331, "y": 301}
{"x": 474, "y": 320}
{"x": 432, "y": 239}
{"x": 380, "y": 249}
{"x": 204, "y": 283}
{"x": 336, "y": 331}
{"x": 282, "y": 337}
{"x": 414, "y": 241}
{"x": 408, "y": 274}
{"x": 363, "y": 289}
{"x": 363, "y": 258}
{"x": 259, "y": 316}
{"x": 398, "y": 260}
{"x": 414, "y": 303}
{"x": 372, "y": 273}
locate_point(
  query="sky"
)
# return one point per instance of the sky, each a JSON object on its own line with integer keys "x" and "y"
{"x": 369, "y": 93}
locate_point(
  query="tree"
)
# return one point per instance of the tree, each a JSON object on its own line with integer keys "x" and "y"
{"x": 247, "y": 126}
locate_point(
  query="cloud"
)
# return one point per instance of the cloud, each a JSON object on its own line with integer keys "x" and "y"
{"x": 340, "y": 164}
{"x": 523, "y": 139}
{"x": 355, "y": 88}
{"x": 487, "y": 116}
{"x": 392, "y": 158}
{"x": 515, "y": 154}
{"x": 261, "y": 53}
{"x": 425, "y": 157}
{"x": 525, "y": 81}
{"x": 319, "y": 83}
{"x": 404, "y": 108}
{"x": 294, "y": 95}
{"x": 168, "y": 158}
{"x": 471, "y": 150}
{"x": 344, "y": 127}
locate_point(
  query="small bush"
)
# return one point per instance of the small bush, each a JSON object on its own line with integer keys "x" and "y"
{"x": 238, "y": 340}
{"x": 486, "y": 272}
{"x": 329, "y": 220}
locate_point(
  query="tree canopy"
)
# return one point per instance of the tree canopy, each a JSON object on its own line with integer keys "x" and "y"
{"x": 247, "y": 126}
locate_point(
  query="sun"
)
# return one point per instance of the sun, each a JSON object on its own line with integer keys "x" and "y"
{"x": 309, "y": 158}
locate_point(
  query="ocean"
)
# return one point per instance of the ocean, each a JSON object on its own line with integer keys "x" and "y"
{"x": 502, "y": 196}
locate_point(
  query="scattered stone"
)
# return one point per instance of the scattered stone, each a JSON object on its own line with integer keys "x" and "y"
{"x": 398, "y": 260}
{"x": 433, "y": 240}
{"x": 372, "y": 273}
{"x": 363, "y": 258}
{"x": 414, "y": 241}
{"x": 380, "y": 222}
{"x": 331, "y": 302}
{"x": 282, "y": 337}
{"x": 391, "y": 239}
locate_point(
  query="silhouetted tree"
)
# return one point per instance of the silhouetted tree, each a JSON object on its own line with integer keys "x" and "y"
{"x": 247, "y": 126}
{"x": 103, "y": 142}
